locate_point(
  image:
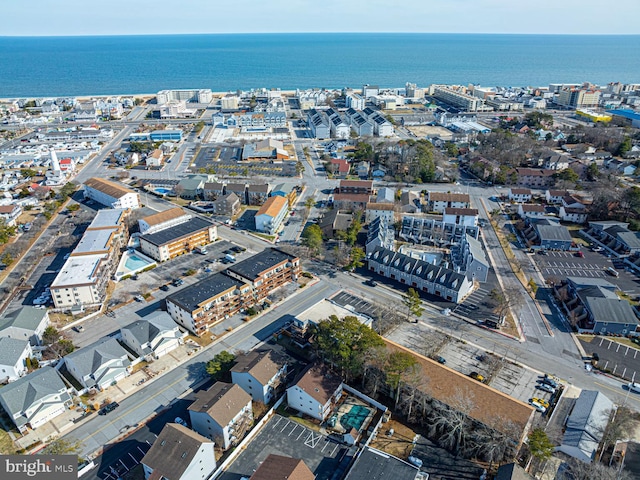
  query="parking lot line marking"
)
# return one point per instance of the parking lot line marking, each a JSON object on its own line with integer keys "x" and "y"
{"x": 147, "y": 443}
{"x": 334, "y": 450}
{"x": 618, "y": 348}
{"x": 625, "y": 354}
{"x": 293, "y": 430}
{"x": 141, "y": 451}
{"x": 276, "y": 424}
{"x": 284, "y": 427}
{"x": 301, "y": 433}
{"x": 325, "y": 446}
{"x": 134, "y": 458}
{"x": 124, "y": 465}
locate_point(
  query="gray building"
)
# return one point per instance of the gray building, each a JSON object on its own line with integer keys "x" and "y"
{"x": 469, "y": 257}
{"x": 318, "y": 123}
{"x": 26, "y": 323}
{"x": 100, "y": 364}
{"x": 547, "y": 233}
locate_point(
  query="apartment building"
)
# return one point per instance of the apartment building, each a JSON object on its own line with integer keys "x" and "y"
{"x": 438, "y": 201}
{"x": 358, "y": 187}
{"x": 202, "y": 95}
{"x": 458, "y": 99}
{"x": 245, "y": 284}
{"x": 170, "y": 242}
{"x": 318, "y": 124}
{"x": 260, "y": 373}
{"x": 355, "y": 101}
{"x": 535, "y": 177}
{"x": 270, "y": 216}
{"x": 161, "y": 220}
{"x": 223, "y": 413}
{"x": 578, "y": 98}
{"x": 111, "y": 194}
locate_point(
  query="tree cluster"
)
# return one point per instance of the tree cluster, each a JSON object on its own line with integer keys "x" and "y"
{"x": 220, "y": 365}
{"x": 56, "y": 342}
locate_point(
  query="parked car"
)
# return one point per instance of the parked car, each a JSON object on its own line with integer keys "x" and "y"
{"x": 537, "y": 406}
{"x": 612, "y": 271}
{"x": 549, "y": 381}
{"x": 108, "y": 408}
{"x": 415, "y": 461}
{"x": 371, "y": 283}
{"x": 178, "y": 282}
{"x": 541, "y": 401}
{"x": 180, "y": 421}
{"x": 477, "y": 376}
{"x": 597, "y": 249}
{"x": 139, "y": 298}
{"x": 546, "y": 388}
{"x": 164, "y": 288}
{"x": 579, "y": 254}
{"x": 78, "y": 328}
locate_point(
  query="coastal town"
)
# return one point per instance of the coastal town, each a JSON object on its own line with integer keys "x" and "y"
{"x": 424, "y": 282}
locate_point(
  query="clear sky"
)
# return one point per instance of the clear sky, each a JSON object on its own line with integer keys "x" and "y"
{"x": 125, "y": 17}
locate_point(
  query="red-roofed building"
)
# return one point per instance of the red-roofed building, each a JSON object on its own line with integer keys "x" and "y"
{"x": 67, "y": 164}
{"x": 340, "y": 167}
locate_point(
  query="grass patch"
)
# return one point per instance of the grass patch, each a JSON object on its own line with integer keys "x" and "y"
{"x": 271, "y": 238}
{"x": 399, "y": 444}
{"x": 284, "y": 411}
{"x": 204, "y": 340}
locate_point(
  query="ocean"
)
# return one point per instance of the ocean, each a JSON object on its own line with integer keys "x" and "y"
{"x": 105, "y": 65}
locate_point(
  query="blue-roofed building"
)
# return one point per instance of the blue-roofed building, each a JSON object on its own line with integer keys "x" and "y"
{"x": 166, "y": 135}
{"x": 629, "y": 117}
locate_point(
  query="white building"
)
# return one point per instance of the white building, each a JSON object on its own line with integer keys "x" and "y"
{"x": 35, "y": 399}
{"x": 384, "y": 211}
{"x": 223, "y": 413}
{"x": 270, "y": 216}
{"x": 355, "y": 101}
{"x": 110, "y": 193}
{"x": 438, "y": 201}
{"x": 13, "y": 358}
{"x": 316, "y": 392}
{"x": 179, "y": 454}
{"x": 101, "y": 364}
{"x": 81, "y": 281}
{"x": 161, "y": 220}
{"x": 202, "y": 95}
{"x": 26, "y": 323}
{"x": 154, "y": 335}
{"x": 520, "y": 195}
{"x": 259, "y": 373}
{"x": 155, "y": 158}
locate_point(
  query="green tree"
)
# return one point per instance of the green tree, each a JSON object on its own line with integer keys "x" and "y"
{"x": 397, "y": 367}
{"x": 451, "y": 149}
{"x": 73, "y": 207}
{"x": 411, "y": 300}
{"x": 67, "y": 190}
{"x": 198, "y": 127}
{"x": 540, "y": 446}
{"x": 28, "y": 172}
{"x": 567, "y": 175}
{"x": 218, "y": 367}
{"x": 344, "y": 343}
{"x": 363, "y": 151}
{"x": 6, "y": 231}
{"x": 355, "y": 258}
{"x": 624, "y": 147}
{"x": 299, "y": 168}
{"x": 353, "y": 230}
{"x": 592, "y": 172}
{"x": 312, "y": 238}
{"x": 50, "y": 335}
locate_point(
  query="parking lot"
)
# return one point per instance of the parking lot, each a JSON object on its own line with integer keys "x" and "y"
{"x": 477, "y": 306}
{"x": 622, "y": 360}
{"x": 281, "y": 436}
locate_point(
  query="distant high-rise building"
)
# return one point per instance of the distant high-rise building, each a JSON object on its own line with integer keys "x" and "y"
{"x": 578, "y": 98}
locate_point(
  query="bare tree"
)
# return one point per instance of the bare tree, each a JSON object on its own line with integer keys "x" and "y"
{"x": 578, "y": 470}
{"x": 453, "y": 423}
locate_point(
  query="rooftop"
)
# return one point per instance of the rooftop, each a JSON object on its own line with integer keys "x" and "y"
{"x": 278, "y": 467}
{"x": 470, "y": 212}
{"x": 448, "y": 197}
{"x": 273, "y": 206}
{"x": 195, "y": 296}
{"x": 90, "y": 358}
{"x": 146, "y": 329}
{"x": 108, "y": 218}
{"x": 164, "y": 216}
{"x": 79, "y": 270}
{"x": 26, "y": 317}
{"x": 261, "y": 365}
{"x": 94, "y": 241}
{"x": 222, "y": 402}
{"x": 173, "y": 451}
{"x": 11, "y": 349}
{"x": 253, "y": 267}
{"x": 107, "y": 187}
{"x": 373, "y": 464}
{"x": 171, "y": 234}
{"x": 319, "y": 383}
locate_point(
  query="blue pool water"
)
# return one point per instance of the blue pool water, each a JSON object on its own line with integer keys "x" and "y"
{"x": 133, "y": 262}
{"x": 355, "y": 417}
{"x": 162, "y": 191}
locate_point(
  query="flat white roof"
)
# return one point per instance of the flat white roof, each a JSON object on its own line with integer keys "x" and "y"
{"x": 94, "y": 241}
{"x": 109, "y": 217}
{"x": 78, "y": 270}
{"x": 324, "y": 309}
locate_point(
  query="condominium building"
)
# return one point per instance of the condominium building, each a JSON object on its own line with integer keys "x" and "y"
{"x": 458, "y": 99}
{"x": 243, "y": 285}
{"x": 578, "y": 97}
{"x": 355, "y": 101}
{"x": 110, "y": 193}
{"x": 270, "y": 216}
{"x": 203, "y": 95}
{"x": 170, "y": 242}
{"x": 161, "y": 220}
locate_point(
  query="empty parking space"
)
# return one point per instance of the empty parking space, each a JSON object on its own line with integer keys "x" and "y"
{"x": 477, "y": 306}
{"x": 282, "y": 436}
{"x": 349, "y": 301}
{"x": 125, "y": 464}
{"x": 622, "y": 360}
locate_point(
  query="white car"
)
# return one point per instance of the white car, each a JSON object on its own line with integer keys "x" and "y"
{"x": 634, "y": 387}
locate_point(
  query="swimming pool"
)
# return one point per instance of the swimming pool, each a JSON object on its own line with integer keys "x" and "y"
{"x": 134, "y": 262}
{"x": 355, "y": 417}
{"x": 162, "y": 191}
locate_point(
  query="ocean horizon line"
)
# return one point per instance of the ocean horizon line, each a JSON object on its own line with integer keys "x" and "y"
{"x": 501, "y": 34}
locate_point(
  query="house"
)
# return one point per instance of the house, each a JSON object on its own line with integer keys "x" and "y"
{"x": 100, "y": 364}
{"x": 438, "y": 201}
{"x": 26, "y": 323}
{"x": 10, "y": 213}
{"x": 227, "y": 205}
{"x": 35, "y": 399}
{"x": 372, "y": 464}
{"x": 180, "y": 238}
{"x": 258, "y": 193}
{"x": 351, "y": 201}
{"x": 223, "y": 414}
{"x": 286, "y": 190}
{"x": 555, "y": 196}
{"x": 13, "y": 358}
{"x": 362, "y": 170}
{"x": 339, "y": 167}
{"x": 520, "y": 195}
{"x": 410, "y": 202}
{"x": 260, "y": 373}
{"x": 547, "y": 233}
{"x": 316, "y": 392}
{"x": 534, "y": 177}
{"x": 278, "y": 467}
{"x": 179, "y": 454}
{"x": 469, "y": 257}
{"x": 379, "y": 172}
{"x": 155, "y": 158}
{"x": 386, "y": 195}
{"x": 531, "y": 210}
{"x": 192, "y": 186}
{"x": 574, "y": 215}
{"x": 270, "y": 216}
{"x": 110, "y": 194}
{"x": 466, "y": 218}
{"x": 334, "y": 220}
{"x": 586, "y": 425}
{"x": 154, "y": 335}
{"x": 380, "y": 210}
{"x": 212, "y": 190}
{"x": 512, "y": 471}
{"x": 161, "y": 220}
{"x": 556, "y": 162}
